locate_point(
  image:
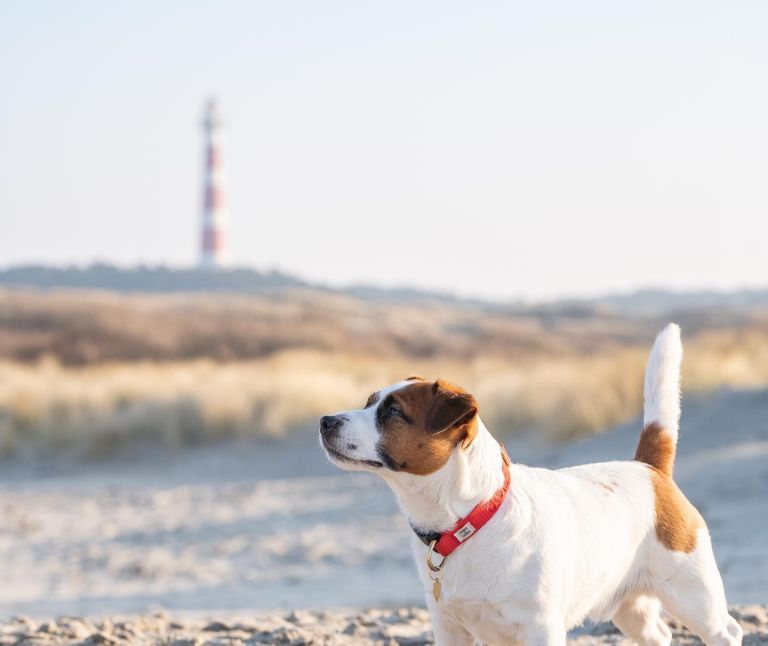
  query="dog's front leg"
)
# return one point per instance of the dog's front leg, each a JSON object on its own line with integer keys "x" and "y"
{"x": 549, "y": 633}
{"x": 448, "y": 631}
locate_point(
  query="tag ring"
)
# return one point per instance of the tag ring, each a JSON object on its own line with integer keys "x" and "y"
{"x": 430, "y": 565}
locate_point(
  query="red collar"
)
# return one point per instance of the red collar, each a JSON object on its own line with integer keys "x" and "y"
{"x": 468, "y": 526}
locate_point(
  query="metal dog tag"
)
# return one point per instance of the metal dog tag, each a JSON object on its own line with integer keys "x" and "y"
{"x": 436, "y": 589}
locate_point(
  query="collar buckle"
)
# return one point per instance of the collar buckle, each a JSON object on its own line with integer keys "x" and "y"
{"x": 430, "y": 564}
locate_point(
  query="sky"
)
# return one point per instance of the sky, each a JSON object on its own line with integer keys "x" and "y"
{"x": 497, "y": 149}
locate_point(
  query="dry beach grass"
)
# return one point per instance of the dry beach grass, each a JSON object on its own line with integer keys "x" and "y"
{"x": 95, "y": 372}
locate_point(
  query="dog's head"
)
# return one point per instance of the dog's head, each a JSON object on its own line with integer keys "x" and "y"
{"x": 411, "y": 426}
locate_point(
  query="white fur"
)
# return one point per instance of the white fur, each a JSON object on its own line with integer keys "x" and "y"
{"x": 564, "y": 546}
{"x": 662, "y": 381}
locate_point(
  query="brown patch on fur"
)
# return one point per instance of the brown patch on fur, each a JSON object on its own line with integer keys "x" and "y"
{"x": 677, "y": 520}
{"x": 372, "y": 399}
{"x": 435, "y": 418}
{"x": 656, "y": 448}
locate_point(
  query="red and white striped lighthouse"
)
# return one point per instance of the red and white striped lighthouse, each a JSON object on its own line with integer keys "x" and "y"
{"x": 213, "y": 242}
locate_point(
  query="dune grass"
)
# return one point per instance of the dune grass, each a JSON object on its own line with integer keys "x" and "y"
{"x": 100, "y": 409}
{"x": 95, "y": 372}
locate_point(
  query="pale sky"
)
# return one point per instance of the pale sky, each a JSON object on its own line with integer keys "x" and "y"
{"x": 502, "y": 149}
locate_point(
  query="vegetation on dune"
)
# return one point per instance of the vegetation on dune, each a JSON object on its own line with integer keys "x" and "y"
{"x": 81, "y": 328}
{"x": 96, "y": 372}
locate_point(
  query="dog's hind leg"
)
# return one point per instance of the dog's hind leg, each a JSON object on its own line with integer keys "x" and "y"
{"x": 694, "y": 594}
{"x": 638, "y": 617}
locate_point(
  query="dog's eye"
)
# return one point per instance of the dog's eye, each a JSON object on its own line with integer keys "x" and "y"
{"x": 394, "y": 411}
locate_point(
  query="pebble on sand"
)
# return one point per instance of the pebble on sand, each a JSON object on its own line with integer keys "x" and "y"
{"x": 399, "y": 627}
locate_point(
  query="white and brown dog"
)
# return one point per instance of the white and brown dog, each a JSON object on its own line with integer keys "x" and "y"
{"x": 534, "y": 552}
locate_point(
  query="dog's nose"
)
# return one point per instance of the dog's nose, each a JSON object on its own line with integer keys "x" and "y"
{"x": 329, "y": 423}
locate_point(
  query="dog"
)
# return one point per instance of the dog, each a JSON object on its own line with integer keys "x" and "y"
{"x": 510, "y": 554}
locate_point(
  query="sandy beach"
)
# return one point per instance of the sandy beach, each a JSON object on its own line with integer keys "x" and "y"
{"x": 402, "y": 627}
{"x": 254, "y": 531}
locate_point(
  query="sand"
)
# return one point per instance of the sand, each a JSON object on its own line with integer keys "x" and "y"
{"x": 260, "y": 529}
{"x": 406, "y": 626}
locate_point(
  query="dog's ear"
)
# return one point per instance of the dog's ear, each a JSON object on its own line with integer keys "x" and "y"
{"x": 452, "y": 407}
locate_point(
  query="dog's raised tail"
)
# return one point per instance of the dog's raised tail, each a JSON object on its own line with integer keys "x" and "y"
{"x": 661, "y": 411}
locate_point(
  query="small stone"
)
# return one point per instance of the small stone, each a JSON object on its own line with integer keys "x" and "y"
{"x": 352, "y": 629}
{"x": 301, "y": 617}
{"x": 101, "y": 638}
{"x": 74, "y": 628}
{"x": 20, "y": 619}
{"x": 105, "y": 626}
{"x": 367, "y": 621}
{"x": 49, "y": 627}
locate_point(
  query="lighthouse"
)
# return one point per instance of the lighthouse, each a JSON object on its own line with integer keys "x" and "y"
{"x": 215, "y": 220}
